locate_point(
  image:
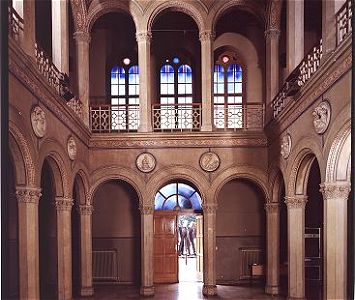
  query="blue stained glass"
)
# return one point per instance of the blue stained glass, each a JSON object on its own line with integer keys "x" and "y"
{"x": 167, "y": 69}
{"x": 176, "y": 60}
{"x": 133, "y": 70}
{"x": 184, "y": 202}
{"x": 185, "y": 190}
{"x": 170, "y": 203}
{"x": 231, "y": 88}
{"x": 184, "y": 69}
{"x": 114, "y": 69}
{"x": 159, "y": 200}
{"x": 168, "y": 190}
{"x": 196, "y": 201}
{"x": 239, "y": 76}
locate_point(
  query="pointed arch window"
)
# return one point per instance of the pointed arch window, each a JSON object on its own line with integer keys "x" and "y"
{"x": 125, "y": 98}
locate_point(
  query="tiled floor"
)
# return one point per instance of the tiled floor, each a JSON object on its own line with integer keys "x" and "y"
{"x": 181, "y": 291}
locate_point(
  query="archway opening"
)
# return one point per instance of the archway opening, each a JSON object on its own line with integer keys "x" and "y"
{"x": 240, "y": 231}
{"x": 116, "y": 234}
{"x": 283, "y": 240}
{"x": 178, "y": 234}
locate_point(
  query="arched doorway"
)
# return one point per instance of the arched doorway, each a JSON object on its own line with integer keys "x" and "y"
{"x": 178, "y": 236}
{"x": 116, "y": 234}
{"x": 240, "y": 231}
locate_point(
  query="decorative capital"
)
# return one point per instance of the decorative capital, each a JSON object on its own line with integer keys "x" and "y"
{"x": 335, "y": 190}
{"x": 272, "y": 33}
{"x": 272, "y": 207}
{"x": 207, "y": 35}
{"x": 27, "y": 194}
{"x": 82, "y": 36}
{"x": 296, "y": 201}
{"x": 85, "y": 209}
{"x": 63, "y": 203}
{"x": 143, "y": 36}
{"x": 209, "y": 207}
{"x": 146, "y": 209}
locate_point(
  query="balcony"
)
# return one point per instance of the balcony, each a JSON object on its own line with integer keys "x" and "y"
{"x": 15, "y": 24}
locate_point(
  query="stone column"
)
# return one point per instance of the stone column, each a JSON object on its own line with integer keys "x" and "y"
{"x": 206, "y": 39}
{"x": 28, "y": 199}
{"x": 272, "y": 64}
{"x": 295, "y": 34}
{"x": 328, "y": 28}
{"x": 29, "y": 29}
{"x": 86, "y": 288}
{"x": 147, "y": 213}
{"x": 335, "y": 239}
{"x": 209, "y": 249}
{"x": 272, "y": 248}
{"x": 60, "y": 35}
{"x": 295, "y": 230}
{"x": 63, "y": 207}
{"x": 82, "y": 53}
{"x": 145, "y": 90}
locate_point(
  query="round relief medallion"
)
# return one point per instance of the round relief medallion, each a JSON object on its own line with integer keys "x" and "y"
{"x": 38, "y": 121}
{"x": 71, "y": 147}
{"x": 145, "y": 162}
{"x": 209, "y": 161}
{"x": 321, "y": 117}
{"x": 286, "y": 144}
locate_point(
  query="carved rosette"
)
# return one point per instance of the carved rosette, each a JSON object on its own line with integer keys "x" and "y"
{"x": 209, "y": 290}
{"x": 272, "y": 207}
{"x": 28, "y": 194}
{"x": 71, "y": 148}
{"x": 209, "y": 208}
{"x": 335, "y": 190}
{"x": 38, "y": 121}
{"x": 143, "y": 37}
{"x": 63, "y": 203}
{"x": 146, "y": 162}
{"x": 296, "y": 201}
{"x": 286, "y": 144}
{"x": 206, "y": 36}
{"x": 146, "y": 209}
{"x": 321, "y": 117}
{"x": 85, "y": 210}
{"x": 209, "y": 161}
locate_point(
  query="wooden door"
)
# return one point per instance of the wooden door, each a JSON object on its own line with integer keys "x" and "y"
{"x": 199, "y": 247}
{"x": 165, "y": 252}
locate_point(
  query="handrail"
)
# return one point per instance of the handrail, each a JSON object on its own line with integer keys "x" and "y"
{"x": 343, "y": 22}
{"x": 15, "y": 23}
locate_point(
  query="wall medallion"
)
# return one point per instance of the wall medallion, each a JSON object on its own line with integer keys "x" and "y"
{"x": 146, "y": 162}
{"x": 321, "y": 117}
{"x": 71, "y": 147}
{"x": 38, "y": 121}
{"x": 209, "y": 161}
{"x": 286, "y": 144}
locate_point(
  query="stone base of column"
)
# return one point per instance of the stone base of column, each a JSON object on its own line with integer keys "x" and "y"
{"x": 147, "y": 291}
{"x": 87, "y": 291}
{"x": 272, "y": 289}
{"x": 209, "y": 290}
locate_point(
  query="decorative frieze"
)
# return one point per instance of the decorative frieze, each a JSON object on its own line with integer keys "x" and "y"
{"x": 296, "y": 201}
{"x": 286, "y": 144}
{"x": 38, "y": 121}
{"x": 63, "y": 203}
{"x": 321, "y": 117}
{"x": 85, "y": 209}
{"x": 272, "y": 207}
{"x": 28, "y": 194}
{"x": 333, "y": 190}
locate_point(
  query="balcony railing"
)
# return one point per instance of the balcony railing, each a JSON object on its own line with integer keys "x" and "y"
{"x": 114, "y": 118}
{"x": 15, "y": 24}
{"x": 238, "y": 116}
{"x": 343, "y": 20}
{"x": 177, "y": 117}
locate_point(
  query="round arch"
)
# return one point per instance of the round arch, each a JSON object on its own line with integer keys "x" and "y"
{"x": 80, "y": 183}
{"x": 276, "y": 185}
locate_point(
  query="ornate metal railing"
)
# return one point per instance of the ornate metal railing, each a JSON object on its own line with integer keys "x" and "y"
{"x": 15, "y": 24}
{"x": 343, "y": 21}
{"x": 114, "y": 118}
{"x": 177, "y": 117}
{"x": 238, "y": 116}
{"x": 310, "y": 64}
{"x": 77, "y": 106}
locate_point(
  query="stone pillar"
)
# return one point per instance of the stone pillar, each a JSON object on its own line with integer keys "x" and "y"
{"x": 147, "y": 238}
{"x": 60, "y": 35}
{"x": 209, "y": 249}
{"x": 29, "y": 29}
{"x": 63, "y": 207}
{"x": 335, "y": 239}
{"x": 28, "y": 199}
{"x": 272, "y": 248}
{"x": 86, "y": 288}
{"x": 82, "y": 53}
{"x": 328, "y": 28}
{"x": 295, "y": 34}
{"x": 295, "y": 230}
{"x": 272, "y": 64}
{"x": 145, "y": 90}
{"x": 207, "y": 38}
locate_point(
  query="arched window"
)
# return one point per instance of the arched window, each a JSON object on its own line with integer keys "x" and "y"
{"x": 177, "y": 195}
{"x": 176, "y": 111}
{"x": 228, "y": 93}
{"x": 125, "y": 98}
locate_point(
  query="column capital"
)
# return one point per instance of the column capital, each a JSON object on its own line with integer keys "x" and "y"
{"x": 296, "y": 201}
{"x": 26, "y": 194}
{"x": 209, "y": 207}
{"x": 272, "y": 207}
{"x": 146, "y": 209}
{"x": 143, "y": 36}
{"x": 63, "y": 203}
{"x": 335, "y": 190}
{"x": 82, "y": 36}
{"x": 272, "y": 33}
{"x": 206, "y": 35}
{"x": 85, "y": 209}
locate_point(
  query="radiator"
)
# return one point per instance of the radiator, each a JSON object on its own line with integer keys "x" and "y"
{"x": 248, "y": 257}
{"x": 105, "y": 265}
